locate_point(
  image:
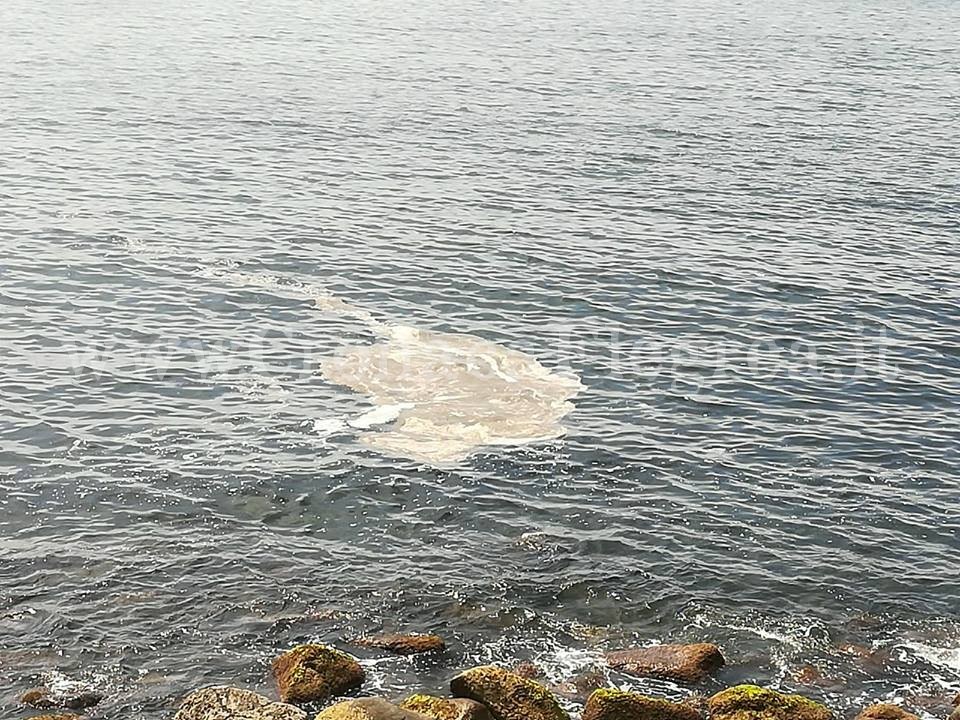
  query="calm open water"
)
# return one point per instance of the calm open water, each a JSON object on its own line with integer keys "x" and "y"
{"x": 737, "y": 223}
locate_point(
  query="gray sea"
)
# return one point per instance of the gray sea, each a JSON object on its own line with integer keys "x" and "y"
{"x": 551, "y": 327}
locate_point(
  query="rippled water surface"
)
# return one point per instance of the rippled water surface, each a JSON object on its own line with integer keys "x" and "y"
{"x": 735, "y": 224}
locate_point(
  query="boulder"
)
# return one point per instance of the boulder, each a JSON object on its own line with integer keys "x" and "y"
{"x": 749, "y": 702}
{"x": 445, "y": 708}
{"x": 507, "y": 695}
{"x": 368, "y": 709}
{"x": 886, "y": 711}
{"x": 312, "y": 673}
{"x": 228, "y": 703}
{"x": 609, "y": 704}
{"x": 683, "y": 663}
{"x": 71, "y": 699}
{"x": 403, "y": 644}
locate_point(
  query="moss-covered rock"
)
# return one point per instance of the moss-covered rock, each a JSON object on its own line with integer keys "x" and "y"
{"x": 684, "y": 663}
{"x": 228, "y": 703}
{"x": 886, "y": 711}
{"x": 611, "y": 704}
{"x": 368, "y": 709}
{"x": 311, "y": 673}
{"x": 437, "y": 708}
{"x": 411, "y": 644}
{"x": 507, "y": 695}
{"x": 749, "y": 702}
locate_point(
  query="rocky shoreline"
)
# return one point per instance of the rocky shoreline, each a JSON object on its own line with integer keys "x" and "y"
{"x": 312, "y": 675}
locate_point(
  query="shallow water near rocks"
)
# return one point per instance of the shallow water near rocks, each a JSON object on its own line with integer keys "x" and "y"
{"x": 726, "y": 232}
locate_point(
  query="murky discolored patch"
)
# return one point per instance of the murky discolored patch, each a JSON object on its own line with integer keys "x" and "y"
{"x": 450, "y": 394}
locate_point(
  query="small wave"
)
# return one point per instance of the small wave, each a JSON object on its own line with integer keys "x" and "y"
{"x": 948, "y": 658}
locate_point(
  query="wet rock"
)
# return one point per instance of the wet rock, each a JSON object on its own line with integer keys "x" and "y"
{"x": 529, "y": 670}
{"x": 44, "y": 699}
{"x": 507, "y": 695}
{"x": 886, "y": 711}
{"x": 807, "y": 675}
{"x": 368, "y": 709}
{"x": 749, "y": 702}
{"x": 446, "y": 709}
{"x": 869, "y": 658}
{"x": 70, "y": 697}
{"x": 37, "y": 698}
{"x": 410, "y": 644}
{"x": 684, "y": 663}
{"x": 311, "y": 673}
{"x": 228, "y": 703}
{"x": 581, "y": 687}
{"x": 611, "y": 704}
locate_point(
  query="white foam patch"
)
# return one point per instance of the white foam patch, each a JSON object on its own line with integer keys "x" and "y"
{"x": 325, "y": 427}
{"x": 382, "y": 415}
{"x": 62, "y": 687}
{"x": 442, "y": 396}
{"x": 459, "y": 393}
{"x": 948, "y": 658}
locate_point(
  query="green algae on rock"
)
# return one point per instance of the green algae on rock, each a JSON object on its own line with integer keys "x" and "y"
{"x": 437, "y": 708}
{"x": 684, "y": 663}
{"x": 368, "y": 709}
{"x": 749, "y": 702}
{"x": 507, "y": 695}
{"x": 403, "y": 644}
{"x": 311, "y": 673}
{"x": 229, "y": 703}
{"x": 612, "y": 704}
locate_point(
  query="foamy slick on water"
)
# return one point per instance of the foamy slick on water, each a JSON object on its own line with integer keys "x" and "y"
{"x": 450, "y": 394}
{"x": 439, "y": 396}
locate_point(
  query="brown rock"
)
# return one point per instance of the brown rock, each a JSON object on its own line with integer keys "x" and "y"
{"x": 868, "y": 657}
{"x": 311, "y": 673}
{"x": 886, "y": 711}
{"x": 507, "y": 695}
{"x": 227, "y": 703}
{"x": 529, "y": 670}
{"x": 955, "y": 715}
{"x": 37, "y": 698}
{"x": 412, "y": 644}
{"x": 610, "y": 704}
{"x": 581, "y": 687}
{"x": 749, "y": 702}
{"x": 684, "y": 663}
{"x": 808, "y": 675}
{"x": 368, "y": 709}
{"x": 446, "y": 709}
{"x": 43, "y": 699}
